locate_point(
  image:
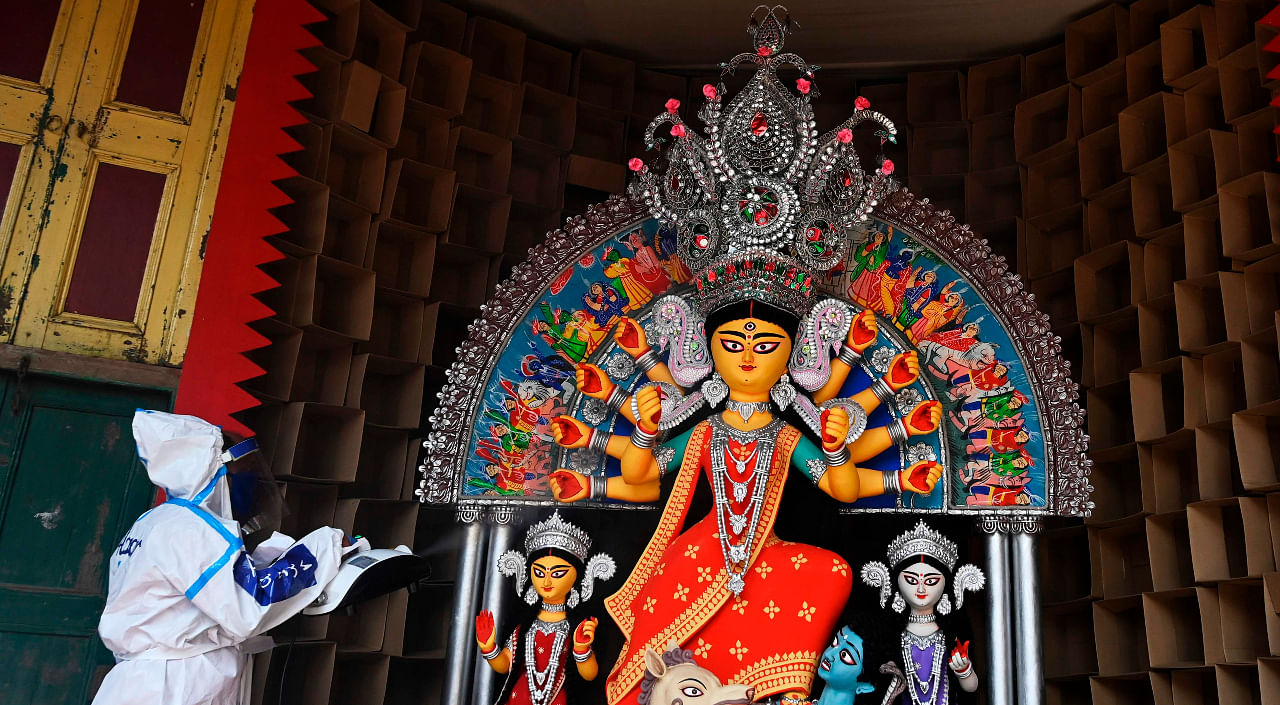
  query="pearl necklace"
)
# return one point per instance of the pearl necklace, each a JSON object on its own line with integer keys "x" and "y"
{"x": 746, "y": 523}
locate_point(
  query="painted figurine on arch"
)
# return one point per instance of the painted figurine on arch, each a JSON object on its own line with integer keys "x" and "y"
{"x": 559, "y": 576}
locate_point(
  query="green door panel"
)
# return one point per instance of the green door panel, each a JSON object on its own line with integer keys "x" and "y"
{"x": 71, "y": 485}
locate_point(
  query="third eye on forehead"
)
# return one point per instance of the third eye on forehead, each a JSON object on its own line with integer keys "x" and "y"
{"x": 738, "y": 334}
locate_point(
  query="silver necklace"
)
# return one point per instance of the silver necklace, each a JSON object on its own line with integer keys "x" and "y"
{"x": 548, "y": 607}
{"x": 735, "y": 554}
{"x": 921, "y": 618}
{"x": 746, "y": 409}
{"x": 542, "y": 682}
{"x": 740, "y": 487}
{"x": 927, "y": 689}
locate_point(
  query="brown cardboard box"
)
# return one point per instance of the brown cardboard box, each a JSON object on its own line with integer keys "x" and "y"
{"x": 1068, "y": 691}
{"x": 1174, "y": 480}
{"x": 654, "y": 88}
{"x": 1109, "y": 216}
{"x": 277, "y": 359}
{"x": 496, "y": 49}
{"x": 1174, "y": 628}
{"x": 412, "y": 471}
{"x": 1194, "y": 687}
{"x": 601, "y": 133}
{"x": 1118, "y": 485}
{"x": 1202, "y": 238}
{"x": 991, "y": 142}
{"x": 1270, "y": 600}
{"x": 324, "y": 85}
{"x": 1109, "y": 348}
{"x": 1238, "y": 683}
{"x": 1230, "y": 538}
{"x": 312, "y": 156}
{"x": 604, "y": 81}
{"x": 935, "y": 96}
{"x": 346, "y": 231}
{"x": 1241, "y": 88}
{"x": 317, "y": 442}
{"x": 1217, "y": 466}
{"x": 430, "y": 319}
{"x": 994, "y": 86}
{"x": 1001, "y": 234}
{"x": 1054, "y": 240}
{"x": 1121, "y": 639}
{"x": 393, "y": 632}
{"x": 441, "y": 80}
{"x": 392, "y": 392}
{"x": 321, "y": 371}
{"x": 992, "y": 195}
{"x": 1167, "y": 397}
{"x": 1258, "y": 448}
{"x": 424, "y": 135}
{"x": 333, "y": 298}
{"x": 1126, "y": 568}
{"x": 547, "y": 118}
{"x": 1234, "y": 21}
{"x": 941, "y": 148}
{"x": 1157, "y": 330}
{"x": 1189, "y": 47}
{"x": 305, "y": 217}
{"x": 1269, "y": 680}
{"x": 1044, "y": 70}
{"x": 528, "y": 226}
{"x": 602, "y": 176}
{"x": 1202, "y": 106}
{"x": 1056, "y": 296}
{"x": 1164, "y": 261}
{"x": 1051, "y": 184}
{"x": 1145, "y": 130}
{"x": 460, "y": 278}
{"x": 397, "y": 326}
{"x": 537, "y": 175}
{"x": 1250, "y": 212}
{"x": 1200, "y": 164}
{"x": 1143, "y": 74}
{"x": 1072, "y": 651}
{"x": 403, "y": 258}
{"x": 380, "y": 40}
{"x": 1108, "y": 280}
{"x": 492, "y": 105}
{"x": 1047, "y": 125}
{"x": 1064, "y": 564}
{"x": 308, "y": 678}
{"x": 1258, "y": 144}
{"x": 337, "y": 31}
{"x": 479, "y": 219}
{"x": 1244, "y": 633}
{"x": 1100, "y": 166}
{"x": 888, "y": 98}
{"x": 1224, "y": 389}
{"x": 364, "y": 677}
{"x": 1152, "y": 201}
{"x": 1129, "y": 689}
{"x": 944, "y": 191}
{"x": 384, "y": 522}
{"x": 358, "y": 633}
{"x": 1146, "y": 16}
{"x": 308, "y": 506}
{"x": 355, "y": 166}
{"x": 1208, "y": 319}
{"x": 1109, "y": 412}
{"x": 1103, "y": 99}
{"x": 370, "y": 102}
{"x": 1169, "y": 550}
{"x": 380, "y": 473}
{"x": 418, "y": 195}
{"x": 1261, "y": 369}
{"x": 480, "y": 159}
{"x": 547, "y": 67}
{"x": 1264, "y": 34}
{"x": 1097, "y": 44}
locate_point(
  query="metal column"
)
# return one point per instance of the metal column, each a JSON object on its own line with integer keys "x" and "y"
{"x": 500, "y": 539}
{"x": 1000, "y": 590}
{"x": 462, "y": 646}
{"x": 1030, "y": 673}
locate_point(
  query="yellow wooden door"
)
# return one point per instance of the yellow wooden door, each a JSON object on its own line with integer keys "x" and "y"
{"x": 105, "y": 250}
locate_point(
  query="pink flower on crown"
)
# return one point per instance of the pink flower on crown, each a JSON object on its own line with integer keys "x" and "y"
{"x": 709, "y": 91}
{"x": 635, "y": 164}
{"x": 678, "y": 130}
{"x": 861, "y": 103}
{"x": 672, "y": 105}
{"x": 886, "y": 168}
{"x": 845, "y": 136}
{"x": 764, "y": 51}
{"x": 803, "y": 85}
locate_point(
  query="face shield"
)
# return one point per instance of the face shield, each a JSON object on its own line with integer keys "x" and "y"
{"x": 256, "y": 501}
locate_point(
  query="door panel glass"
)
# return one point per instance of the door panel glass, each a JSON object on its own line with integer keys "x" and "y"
{"x": 25, "y": 37}
{"x": 159, "y": 55}
{"x": 9, "y": 154}
{"x": 116, "y": 241}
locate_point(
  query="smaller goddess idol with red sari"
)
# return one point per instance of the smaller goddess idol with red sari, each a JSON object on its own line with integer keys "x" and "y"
{"x": 559, "y": 576}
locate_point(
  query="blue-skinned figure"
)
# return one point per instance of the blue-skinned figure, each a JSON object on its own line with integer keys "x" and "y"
{"x": 840, "y": 668}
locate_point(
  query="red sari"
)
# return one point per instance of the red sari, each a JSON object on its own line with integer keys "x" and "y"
{"x": 771, "y": 636}
{"x": 544, "y": 643}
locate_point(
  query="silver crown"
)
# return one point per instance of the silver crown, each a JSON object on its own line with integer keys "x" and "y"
{"x": 923, "y": 541}
{"x": 762, "y": 176}
{"x": 555, "y": 532}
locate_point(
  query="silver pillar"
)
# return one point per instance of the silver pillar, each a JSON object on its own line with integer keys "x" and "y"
{"x": 462, "y": 645}
{"x": 1030, "y": 673}
{"x": 500, "y": 540}
{"x": 999, "y": 627}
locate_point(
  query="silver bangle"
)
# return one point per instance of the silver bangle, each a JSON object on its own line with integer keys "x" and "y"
{"x": 583, "y": 658}
{"x": 882, "y": 390}
{"x": 836, "y": 458}
{"x": 897, "y": 432}
{"x": 617, "y": 398}
{"x": 599, "y": 440}
{"x": 599, "y": 486}
{"x": 848, "y": 355}
{"x": 892, "y": 485}
{"x": 641, "y": 438}
{"x": 647, "y": 361}
{"x": 491, "y": 655}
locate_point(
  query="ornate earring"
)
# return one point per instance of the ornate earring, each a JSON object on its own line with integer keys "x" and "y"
{"x": 573, "y": 599}
{"x": 714, "y": 390}
{"x": 898, "y": 603}
{"x": 782, "y": 393}
{"x": 530, "y": 595}
{"x": 944, "y": 605}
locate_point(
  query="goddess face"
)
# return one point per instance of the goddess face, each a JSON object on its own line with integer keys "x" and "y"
{"x": 553, "y": 577}
{"x": 921, "y": 585}
{"x": 751, "y": 354}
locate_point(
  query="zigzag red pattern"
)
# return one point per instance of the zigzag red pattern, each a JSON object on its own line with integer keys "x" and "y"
{"x": 1272, "y": 18}
{"x": 225, "y": 304}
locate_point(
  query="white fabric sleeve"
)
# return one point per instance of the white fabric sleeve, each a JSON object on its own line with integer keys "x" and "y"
{"x": 271, "y": 549}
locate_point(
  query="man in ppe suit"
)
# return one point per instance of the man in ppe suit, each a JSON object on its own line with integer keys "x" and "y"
{"x": 183, "y": 592}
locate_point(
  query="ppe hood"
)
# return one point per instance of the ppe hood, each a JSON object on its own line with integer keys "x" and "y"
{"x": 181, "y": 453}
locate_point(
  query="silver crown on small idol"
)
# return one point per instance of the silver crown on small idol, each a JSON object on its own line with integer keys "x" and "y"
{"x": 923, "y": 541}
{"x": 760, "y": 175}
{"x": 555, "y": 532}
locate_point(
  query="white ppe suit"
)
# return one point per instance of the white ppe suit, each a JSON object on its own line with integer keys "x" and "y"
{"x": 183, "y": 594}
